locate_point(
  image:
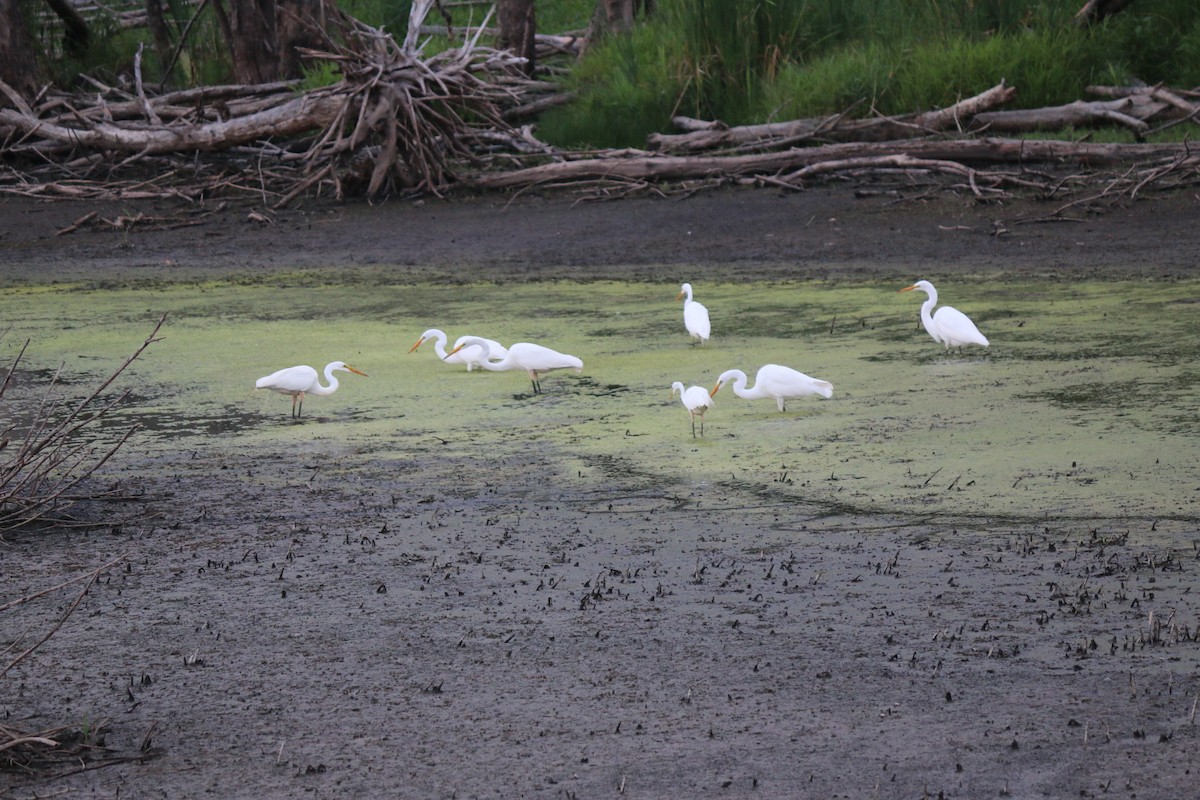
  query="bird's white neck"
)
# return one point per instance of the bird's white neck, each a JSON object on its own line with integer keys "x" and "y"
{"x": 927, "y": 314}
{"x": 333, "y": 383}
{"x": 741, "y": 390}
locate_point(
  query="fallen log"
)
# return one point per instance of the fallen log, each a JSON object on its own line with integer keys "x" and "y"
{"x": 986, "y": 151}
{"x": 300, "y": 115}
{"x": 835, "y": 128}
{"x": 1129, "y": 112}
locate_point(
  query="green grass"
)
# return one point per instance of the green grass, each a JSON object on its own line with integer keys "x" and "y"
{"x": 745, "y": 61}
{"x": 758, "y": 60}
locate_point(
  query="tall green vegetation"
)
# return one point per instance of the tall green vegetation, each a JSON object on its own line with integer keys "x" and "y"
{"x": 748, "y": 61}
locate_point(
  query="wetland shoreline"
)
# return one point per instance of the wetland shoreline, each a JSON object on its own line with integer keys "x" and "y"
{"x": 409, "y": 613}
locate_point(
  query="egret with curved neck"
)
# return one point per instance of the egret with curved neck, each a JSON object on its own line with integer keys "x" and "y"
{"x": 302, "y": 380}
{"x": 774, "y": 381}
{"x": 695, "y": 315}
{"x": 947, "y": 325}
{"x": 535, "y": 359}
{"x": 471, "y": 355}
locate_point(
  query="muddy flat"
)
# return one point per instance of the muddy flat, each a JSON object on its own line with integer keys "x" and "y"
{"x": 965, "y": 574}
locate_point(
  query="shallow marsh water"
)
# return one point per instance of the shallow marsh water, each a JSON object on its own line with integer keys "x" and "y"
{"x": 437, "y": 585}
{"x": 1083, "y": 407}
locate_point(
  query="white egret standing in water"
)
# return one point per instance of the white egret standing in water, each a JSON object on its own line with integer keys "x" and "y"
{"x": 471, "y": 355}
{"x": 302, "y": 380}
{"x": 696, "y": 399}
{"x": 947, "y": 325}
{"x": 775, "y": 381}
{"x": 533, "y": 358}
{"x": 695, "y": 315}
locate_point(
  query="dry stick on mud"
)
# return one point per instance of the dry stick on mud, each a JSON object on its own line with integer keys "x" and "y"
{"x": 88, "y": 579}
{"x": 50, "y": 460}
{"x": 23, "y": 748}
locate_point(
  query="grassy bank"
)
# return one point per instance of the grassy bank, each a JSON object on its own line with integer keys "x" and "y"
{"x": 759, "y": 60}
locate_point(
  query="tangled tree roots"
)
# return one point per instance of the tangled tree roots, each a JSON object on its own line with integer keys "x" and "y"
{"x": 400, "y": 121}
{"x": 396, "y": 121}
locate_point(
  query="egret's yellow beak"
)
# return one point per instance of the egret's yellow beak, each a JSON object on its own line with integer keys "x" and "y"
{"x": 679, "y": 296}
{"x": 909, "y": 288}
{"x": 357, "y": 371}
{"x": 455, "y": 350}
{"x": 716, "y": 389}
{"x": 418, "y": 344}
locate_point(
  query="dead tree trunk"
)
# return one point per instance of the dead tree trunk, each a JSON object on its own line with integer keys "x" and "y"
{"x": 18, "y": 67}
{"x": 76, "y": 34}
{"x": 249, "y": 29}
{"x": 615, "y": 17}
{"x": 162, "y": 35}
{"x": 518, "y": 29}
{"x": 301, "y": 25}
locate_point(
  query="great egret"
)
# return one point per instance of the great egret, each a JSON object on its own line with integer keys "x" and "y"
{"x": 774, "y": 381}
{"x": 696, "y": 399}
{"x": 695, "y": 315}
{"x": 471, "y": 356}
{"x": 948, "y": 325}
{"x": 533, "y": 358}
{"x": 302, "y": 380}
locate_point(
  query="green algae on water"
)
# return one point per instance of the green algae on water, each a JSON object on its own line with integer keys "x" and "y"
{"x": 1083, "y": 407}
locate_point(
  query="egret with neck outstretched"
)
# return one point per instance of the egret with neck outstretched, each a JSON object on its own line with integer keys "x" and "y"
{"x": 695, "y": 315}
{"x": 696, "y": 399}
{"x": 471, "y": 355}
{"x": 947, "y": 325}
{"x": 774, "y": 381}
{"x": 302, "y": 380}
{"x": 535, "y": 359}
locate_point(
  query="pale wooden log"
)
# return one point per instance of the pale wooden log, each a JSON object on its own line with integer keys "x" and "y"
{"x": 690, "y": 124}
{"x": 565, "y": 44}
{"x": 1130, "y": 112}
{"x": 712, "y": 135}
{"x": 296, "y": 116}
{"x": 975, "y": 151}
{"x": 1176, "y": 98}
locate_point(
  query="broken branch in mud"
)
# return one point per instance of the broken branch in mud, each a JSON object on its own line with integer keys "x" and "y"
{"x": 88, "y": 579}
{"x": 40, "y": 474}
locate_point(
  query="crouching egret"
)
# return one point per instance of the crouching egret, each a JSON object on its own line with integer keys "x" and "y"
{"x": 302, "y": 380}
{"x": 948, "y": 325}
{"x": 533, "y": 358}
{"x": 470, "y": 355}
{"x": 695, "y": 315}
{"x": 773, "y": 380}
{"x": 696, "y": 399}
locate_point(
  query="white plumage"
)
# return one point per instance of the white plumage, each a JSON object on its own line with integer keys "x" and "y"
{"x": 535, "y": 359}
{"x": 775, "y": 381}
{"x": 947, "y": 325}
{"x": 695, "y": 315}
{"x": 696, "y": 399}
{"x": 302, "y": 380}
{"x": 470, "y": 355}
